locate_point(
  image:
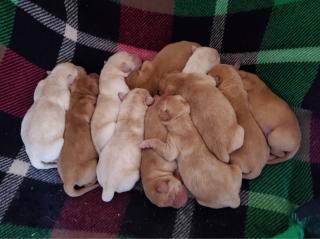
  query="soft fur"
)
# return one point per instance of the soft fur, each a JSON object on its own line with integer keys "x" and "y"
{"x": 202, "y": 60}
{"x": 254, "y": 153}
{"x": 78, "y": 159}
{"x": 43, "y": 125}
{"x": 158, "y": 177}
{"x": 119, "y": 162}
{"x": 172, "y": 57}
{"x": 213, "y": 183}
{"x": 274, "y": 116}
{"x": 211, "y": 112}
{"x": 110, "y": 84}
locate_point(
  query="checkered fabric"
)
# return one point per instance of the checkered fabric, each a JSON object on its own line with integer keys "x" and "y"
{"x": 277, "y": 39}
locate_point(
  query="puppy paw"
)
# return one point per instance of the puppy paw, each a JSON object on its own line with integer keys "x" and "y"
{"x": 181, "y": 198}
{"x": 145, "y": 145}
{"x": 176, "y": 193}
{"x": 162, "y": 187}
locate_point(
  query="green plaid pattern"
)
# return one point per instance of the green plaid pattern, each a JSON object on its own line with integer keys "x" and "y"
{"x": 277, "y": 39}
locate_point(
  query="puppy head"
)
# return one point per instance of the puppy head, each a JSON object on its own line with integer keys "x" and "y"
{"x": 124, "y": 62}
{"x": 170, "y": 83}
{"x": 222, "y": 71}
{"x": 141, "y": 78}
{"x": 172, "y": 107}
{"x": 206, "y": 54}
{"x": 68, "y": 72}
{"x": 137, "y": 95}
{"x": 87, "y": 84}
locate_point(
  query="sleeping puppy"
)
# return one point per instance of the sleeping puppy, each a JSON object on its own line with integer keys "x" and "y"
{"x": 43, "y": 125}
{"x": 254, "y": 153}
{"x": 275, "y": 118}
{"x": 111, "y": 83}
{"x": 160, "y": 184}
{"x": 211, "y": 113}
{"x": 119, "y": 162}
{"x": 213, "y": 183}
{"x": 202, "y": 60}
{"x": 172, "y": 57}
{"x": 78, "y": 159}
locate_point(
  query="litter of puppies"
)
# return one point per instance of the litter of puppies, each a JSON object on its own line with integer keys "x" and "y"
{"x": 182, "y": 121}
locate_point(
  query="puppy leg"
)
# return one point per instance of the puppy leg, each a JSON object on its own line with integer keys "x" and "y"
{"x": 166, "y": 150}
{"x": 283, "y": 144}
{"x": 237, "y": 140}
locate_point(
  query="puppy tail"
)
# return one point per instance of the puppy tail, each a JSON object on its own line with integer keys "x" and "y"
{"x": 107, "y": 195}
{"x": 72, "y": 192}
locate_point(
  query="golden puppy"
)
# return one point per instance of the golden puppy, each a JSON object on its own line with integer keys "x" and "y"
{"x": 213, "y": 183}
{"x": 157, "y": 174}
{"x": 211, "y": 112}
{"x": 172, "y": 57}
{"x": 78, "y": 159}
{"x": 254, "y": 153}
{"x": 274, "y": 116}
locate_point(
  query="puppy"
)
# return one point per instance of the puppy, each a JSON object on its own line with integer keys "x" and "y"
{"x": 119, "y": 162}
{"x": 254, "y": 153}
{"x": 111, "y": 83}
{"x": 213, "y": 183}
{"x": 160, "y": 184}
{"x": 275, "y": 118}
{"x": 78, "y": 159}
{"x": 43, "y": 125}
{"x": 202, "y": 60}
{"x": 172, "y": 57}
{"x": 211, "y": 112}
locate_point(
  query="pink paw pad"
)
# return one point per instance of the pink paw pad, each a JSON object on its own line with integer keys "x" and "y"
{"x": 144, "y": 145}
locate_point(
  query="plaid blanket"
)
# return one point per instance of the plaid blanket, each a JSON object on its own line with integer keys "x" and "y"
{"x": 277, "y": 39}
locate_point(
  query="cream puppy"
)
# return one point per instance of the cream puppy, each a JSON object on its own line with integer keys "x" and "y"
{"x": 43, "y": 125}
{"x": 202, "y": 60}
{"x": 213, "y": 183}
{"x": 111, "y": 82}
{"x": 119, "y": 162}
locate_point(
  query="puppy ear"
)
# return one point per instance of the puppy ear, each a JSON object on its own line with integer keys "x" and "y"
{"x": 94, "y": 75}
{"x": 237, "y": 65}
{"x": 146, "y": 65}
{"x": 164, "y": 115}
{"x": 125, "y": 67}
{"x": 48, "y": 72}
{"x": 70, "y": 79}
{"x": 193, "y": 48}
{"x": 149, "y": 101}
{"x": 122, "y": 95}
{"x": 218, "y": 80}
